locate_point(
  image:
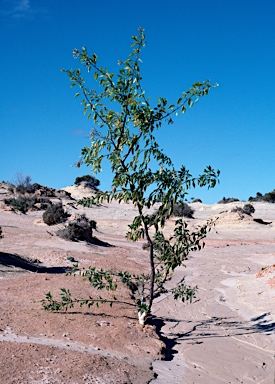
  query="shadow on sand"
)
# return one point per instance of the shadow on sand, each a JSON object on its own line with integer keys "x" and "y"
{"x": 10, "y": 260}
{"x": 210, "y": 328}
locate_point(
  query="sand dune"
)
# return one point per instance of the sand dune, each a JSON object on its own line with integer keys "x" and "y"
{"x": 225, "y": 336}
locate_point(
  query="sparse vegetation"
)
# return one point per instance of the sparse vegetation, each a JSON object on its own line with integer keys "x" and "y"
{"x": 79, "y": 230}
{"x": 1, "y": 235}
{"x": 54, "y": 214}
{"x": 24, "y": 204}
{"x": 226, "y": 200}
{"x": 23, "y": 185}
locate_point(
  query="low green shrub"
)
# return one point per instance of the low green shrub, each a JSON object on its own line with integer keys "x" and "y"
{"x": 54, "y": 214}
{"x": 79, "y": 230}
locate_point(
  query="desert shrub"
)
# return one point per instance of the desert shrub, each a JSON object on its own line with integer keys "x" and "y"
{"x": 23, "y": 184}
{"x": 196, "y": 201}
{"x": 183, "y": 209}
{"x": 89, "y": 179}
{"x": 248, "y": 209}
{"x": 258, "y": 197}
{"x": 22, "y": 203}
{"x": 1, "y": 236}
{"x": 80, "y": 229}
{"x": 269, "y": 197}
{"x": 11, "y": 188}
{"x": 54, "y": 214}
{"x": 42, "y": 203}
{"x": 226, "y": 200}
{"x": 35, "y": 187}
{"x": 237, "y": 209}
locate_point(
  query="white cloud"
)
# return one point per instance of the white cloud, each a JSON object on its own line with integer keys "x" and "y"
{"x": 22, "y": 6}
{"x": 18, "y": 9}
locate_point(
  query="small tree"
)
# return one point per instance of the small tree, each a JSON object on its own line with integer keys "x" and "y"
{"x": 142, "y": 174}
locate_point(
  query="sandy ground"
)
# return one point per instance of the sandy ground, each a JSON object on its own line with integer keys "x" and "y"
{"x": 225, "y": 336}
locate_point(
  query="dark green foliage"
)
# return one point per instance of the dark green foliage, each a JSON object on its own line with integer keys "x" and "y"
{"x": 268, "y": 197}
{"x": 226, "y": 200}
{"x": 89, "y": 179}
{"x": 79, "y": 230}
{"x": 183, "y": 210}
{"x": 54, "y": 214}
{"x": 24, "y": 204}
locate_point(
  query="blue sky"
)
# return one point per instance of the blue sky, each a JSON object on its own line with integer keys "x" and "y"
{"x": 42, "y": 126}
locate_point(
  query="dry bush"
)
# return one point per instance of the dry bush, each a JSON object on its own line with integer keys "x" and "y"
{"x": 183, "y": 210}
{"x": 54, "y": 214}
{"x": 79, "y": 230}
